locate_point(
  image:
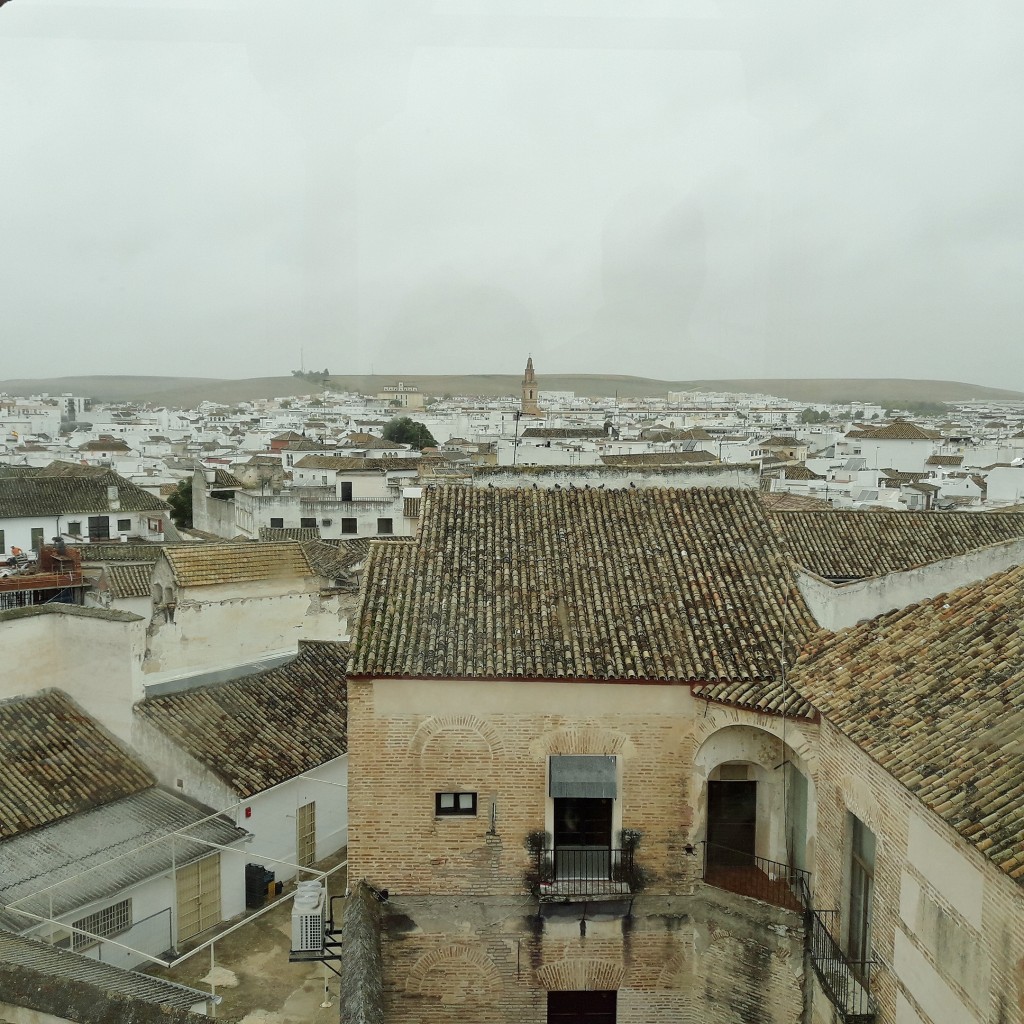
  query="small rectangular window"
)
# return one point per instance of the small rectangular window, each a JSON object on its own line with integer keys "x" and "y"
{"x": 74, "y": 529}
{"x": 3, "y": 543}
{"x": 110, "y": 921}
{"x": 276, "y": 523}
{"x": 124, "y": 526}
{"x": 308, "y": 522}
{"x": 385, "y": 526}
{"x": 349, "y": 526}
{"x": 454, "y": 803}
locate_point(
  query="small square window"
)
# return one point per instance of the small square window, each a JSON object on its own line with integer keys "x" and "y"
{"x": 349, "y": 526}
{"x": 124, "y": 526}
{"x": 454, "y": 803}
{"x": 307, "y": 522}
{"x": 276, "y": 524}
{"x": 75, "y": 529}
{"x": 385, "y": 526}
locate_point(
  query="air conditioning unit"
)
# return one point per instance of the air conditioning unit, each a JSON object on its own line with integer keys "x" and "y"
{"x": 308, "y": 917}
{"x": 328, "y": 522}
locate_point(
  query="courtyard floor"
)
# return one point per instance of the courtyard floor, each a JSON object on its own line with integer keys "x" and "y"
{"x": 250, "y": 969}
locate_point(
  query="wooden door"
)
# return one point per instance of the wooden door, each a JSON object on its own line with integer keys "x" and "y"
{"x": 305, "y": 835}
{"x": 198, "y": 887}
{"x": 732, "y": 822}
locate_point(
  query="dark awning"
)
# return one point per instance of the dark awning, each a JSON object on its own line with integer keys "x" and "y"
{"x": 591, "y": 776}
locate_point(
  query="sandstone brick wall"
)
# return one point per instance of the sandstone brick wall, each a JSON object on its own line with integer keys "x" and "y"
{"x": 704, "y": 958}
{"x": 947, "y": 925}
{"x": 403, "y": 755}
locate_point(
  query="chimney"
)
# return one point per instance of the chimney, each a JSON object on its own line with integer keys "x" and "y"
{"x": 113, "y": 498}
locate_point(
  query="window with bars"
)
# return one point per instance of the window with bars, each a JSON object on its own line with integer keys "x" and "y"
{"x": 112, "y": 920}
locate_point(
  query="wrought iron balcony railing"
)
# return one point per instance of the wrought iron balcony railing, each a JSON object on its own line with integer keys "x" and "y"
{"x": 757, "y": 877}
{"x": 847, "y": 983}
{"x": 585, "y": 871}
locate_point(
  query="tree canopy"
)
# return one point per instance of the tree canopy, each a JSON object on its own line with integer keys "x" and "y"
{"x": 180, "y": 500}
{"x": 404, "y": 430}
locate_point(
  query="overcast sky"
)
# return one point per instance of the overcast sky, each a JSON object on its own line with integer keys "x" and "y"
{"x": 671, "y": 188}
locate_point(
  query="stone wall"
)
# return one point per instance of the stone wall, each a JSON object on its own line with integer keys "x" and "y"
{"x": 706, "y": 958}
{"x": 947, "y": 925}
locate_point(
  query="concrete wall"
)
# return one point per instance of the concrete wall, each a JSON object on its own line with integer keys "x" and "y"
{"x": 947, "y": 924}
{"x": 92, "y": 655}
{"x": 836, "y": 606}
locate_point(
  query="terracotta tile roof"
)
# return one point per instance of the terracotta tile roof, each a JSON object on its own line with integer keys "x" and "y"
{"x": 257, "y": 731}
{"x": 336, "y": 561}
{"x": 900, "y": 430}
{"x": 202, "y": 565}
{"x": 650, "y": 584}
{"x": 900, "y": 477}
{"x": 55, "y": 761}
{"x": 222, "y": 478}
{"x": 109, "y": 444}
{"x": 800, "y": 473}
{"x": 94, "y": 553}
{"x": 289, "y": 533}
{"x": 563, "y": 432}
{"x": 782, "y": 442}
{"x": 43, "y": 495}
{"x": 846, "y": 544}
{"x": 780, "y": 501}
{"x": 129, "y": 580}
{"x": 773, "y": 697}
{"x": 355, "y": 463}
{"x": 935, "y": 694}
{"x": 659, "y": 459}
{"x": 944, "y": 460}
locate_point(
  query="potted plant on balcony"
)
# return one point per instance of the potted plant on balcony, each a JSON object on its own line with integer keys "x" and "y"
{"x": 626, "y": 868}
{"x": 542, "y": 866}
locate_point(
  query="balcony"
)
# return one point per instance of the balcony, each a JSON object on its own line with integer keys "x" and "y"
{"x": 583, "y": 872}
{"x": 756, "y": 877}
{"x": 847, "y": 983}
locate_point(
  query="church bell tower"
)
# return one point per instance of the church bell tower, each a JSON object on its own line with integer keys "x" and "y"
{"x": 529, "y": 406}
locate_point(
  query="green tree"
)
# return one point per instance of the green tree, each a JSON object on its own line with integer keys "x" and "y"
{"x": 810, "y": 415}
{"x": 180, "y": 500}
{"x": 404, "y": 430}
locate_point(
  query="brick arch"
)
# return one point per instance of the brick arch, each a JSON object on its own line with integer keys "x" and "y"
{"x": 454, "y": 975}
{"x": 582, "y": 739}
{"x": 793, "y": 736}
{"x": 438, "y": 724}
{"x": 580, "y": 974}
{"x": 671, "y": 974}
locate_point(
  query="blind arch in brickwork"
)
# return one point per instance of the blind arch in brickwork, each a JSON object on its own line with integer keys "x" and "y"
{"x": 455, "y": 974}
{"x": 580, "y": 974}
{"x": 585, "y": 739}
{"x": 435, "y": 726}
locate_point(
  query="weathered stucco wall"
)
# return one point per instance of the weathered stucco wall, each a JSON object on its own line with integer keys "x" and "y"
{"x": 46, "y": 649}
{"x": 836, "y": 606}
{"x": 222, "y": 625}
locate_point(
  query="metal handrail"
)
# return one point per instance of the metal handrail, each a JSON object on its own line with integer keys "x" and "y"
{"x": 770, "y": 881}
{"x": 846, "y": 982}
{"x": 585, "y": 870}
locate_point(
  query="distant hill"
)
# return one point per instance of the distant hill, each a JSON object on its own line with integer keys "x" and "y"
{"x": 187, "y": 392}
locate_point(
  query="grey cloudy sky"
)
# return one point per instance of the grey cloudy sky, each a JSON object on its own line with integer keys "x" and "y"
{"x": 672, "y": 188}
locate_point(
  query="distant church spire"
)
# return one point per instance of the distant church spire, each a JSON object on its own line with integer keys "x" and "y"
{"x": 529, "y": 406}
